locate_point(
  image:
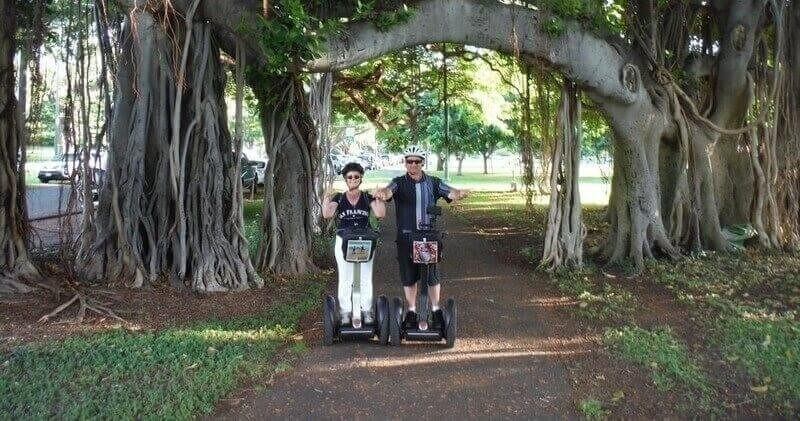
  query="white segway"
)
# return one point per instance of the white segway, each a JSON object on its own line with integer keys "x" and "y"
{"x": 358, "y": 246}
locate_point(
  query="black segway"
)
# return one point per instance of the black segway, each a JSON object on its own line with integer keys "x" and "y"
{"x": 426, "y": 252}
{"x": 358, "y": 246}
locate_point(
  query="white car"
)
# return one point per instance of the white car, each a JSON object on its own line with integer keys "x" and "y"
{"x": 260, "y": 167}
{"x": 62, "y": 169}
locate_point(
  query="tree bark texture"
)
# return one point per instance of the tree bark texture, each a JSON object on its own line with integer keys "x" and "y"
{"x": 782, "y": 140}
{"x": 526, "y": 142}
{"x": 289, "y": 191}
{"x": 171, "y": 207}
{"x": 319, "y": 101}
{"x": 563, "y": 243}
{"x": 15, "y": 265}
{"x": 732, "y": 98}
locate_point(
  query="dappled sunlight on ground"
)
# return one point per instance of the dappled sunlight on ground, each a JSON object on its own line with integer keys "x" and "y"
{"x": 492, "y": 233}
{"x": 474, "y": 349}
{"x": 276, "y": 333}
{"x": 473, "y": 278}
{"x": 550, "y": 302}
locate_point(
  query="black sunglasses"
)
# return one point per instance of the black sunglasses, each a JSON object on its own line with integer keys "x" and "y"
{"x": 414, "y": 161}
{"x": 354, "y": 177}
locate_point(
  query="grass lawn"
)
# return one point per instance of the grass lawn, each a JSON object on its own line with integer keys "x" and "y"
{"x": 175, "y": 373}
{"x": 32, "y": 179}
{"x": 749, "y": 302}
{"x": 671, "y": 365}
{"x": 252, "y": 223}
{"x": 744, "y": 327}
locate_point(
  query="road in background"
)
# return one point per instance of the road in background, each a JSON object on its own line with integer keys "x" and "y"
{"x": 44, "y": 199}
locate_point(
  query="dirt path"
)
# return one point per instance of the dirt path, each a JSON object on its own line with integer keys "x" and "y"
{"x": 509, "y": 360}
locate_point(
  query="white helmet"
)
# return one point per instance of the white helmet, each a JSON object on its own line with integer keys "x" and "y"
{"x": 415, "y": 150}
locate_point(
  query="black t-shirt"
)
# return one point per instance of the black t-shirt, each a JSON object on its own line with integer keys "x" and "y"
{"x": 412, "y": 199}
{"x": 349, "y": 216}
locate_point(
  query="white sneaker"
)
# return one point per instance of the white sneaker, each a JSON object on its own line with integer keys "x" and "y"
{"x": 368, "y": 318}
{"x": 357, "y": 323}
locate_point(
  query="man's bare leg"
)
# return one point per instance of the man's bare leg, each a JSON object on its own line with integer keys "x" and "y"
{"x": 411, "y": 297}
{"x": 434, "y": 293}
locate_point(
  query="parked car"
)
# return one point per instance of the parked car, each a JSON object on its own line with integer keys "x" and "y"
{"x": 53, "y": 172}
{"x": 63, "y": 169}
{"x": 367, "y": 161}
{"x": 58, "y": 169}
{"x": 338, "y": 161}
{"x": 259, "y": 167}
{"x": 249, "y": 176}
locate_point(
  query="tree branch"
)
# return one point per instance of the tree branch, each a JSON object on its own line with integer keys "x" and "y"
{"x": 591, "y": 62}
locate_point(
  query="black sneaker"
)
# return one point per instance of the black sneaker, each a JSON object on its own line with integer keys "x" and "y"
{"x": 410, "y": 322}
{"x": 438, "y": 320}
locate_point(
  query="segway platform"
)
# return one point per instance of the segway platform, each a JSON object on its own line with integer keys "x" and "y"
{"x": 333, "y": 329}
{"x": 447, "y": 332}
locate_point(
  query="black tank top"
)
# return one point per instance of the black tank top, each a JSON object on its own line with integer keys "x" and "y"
{"x": 349, "y": 216}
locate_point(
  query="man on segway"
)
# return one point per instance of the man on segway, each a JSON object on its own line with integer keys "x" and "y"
{"x": 413, "y": 194}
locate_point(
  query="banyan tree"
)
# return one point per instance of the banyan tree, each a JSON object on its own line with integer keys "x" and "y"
{"x": 702, "y": 98}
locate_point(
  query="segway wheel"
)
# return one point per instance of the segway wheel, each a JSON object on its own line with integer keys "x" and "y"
{"x": 328, "y": 320}
{"x": 382, "y": 310}
{"x": 395, "y": 319}
{"x": 450, "y": 330}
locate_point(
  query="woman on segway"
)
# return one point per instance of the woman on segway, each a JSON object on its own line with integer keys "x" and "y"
{"x": 352, "y": 209}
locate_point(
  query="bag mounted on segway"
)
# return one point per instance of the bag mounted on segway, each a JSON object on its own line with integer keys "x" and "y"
{"x": 358, "y": 245}
{"x": 426, "y": 248}
{"x": 425, "y": 252}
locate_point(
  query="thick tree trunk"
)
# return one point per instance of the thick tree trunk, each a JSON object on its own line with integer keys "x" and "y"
{"x": 485, "y": 163}
{"x": 636, "y": 225}
{"x": 718, "y": 187}
{"x": 732, "y": 173}
{"x": 22, "y": 96}
{"x": 172, "y": 206}
{"x": 289, "y": 191}
{"x": 563, "y": 244}
{"x": 15, "y": 266}
{"x": 460, "y": 159}
{"x": 787, "y": 134}
{"x": 319, "y": 102}
{"x": 22, "y": 104}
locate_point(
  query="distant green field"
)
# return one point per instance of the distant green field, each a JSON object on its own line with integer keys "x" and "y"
{"x": 594, "y": 190}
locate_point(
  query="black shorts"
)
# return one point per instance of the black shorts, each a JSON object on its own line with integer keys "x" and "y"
{"x": 409, "y": 271}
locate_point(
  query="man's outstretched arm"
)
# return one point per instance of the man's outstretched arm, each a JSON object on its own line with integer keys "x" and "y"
{"x": 451, "y": 193}
{"x": 457, "y": 194}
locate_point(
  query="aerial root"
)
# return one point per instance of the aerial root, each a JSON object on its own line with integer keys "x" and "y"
{"x": 84, "y": 303}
